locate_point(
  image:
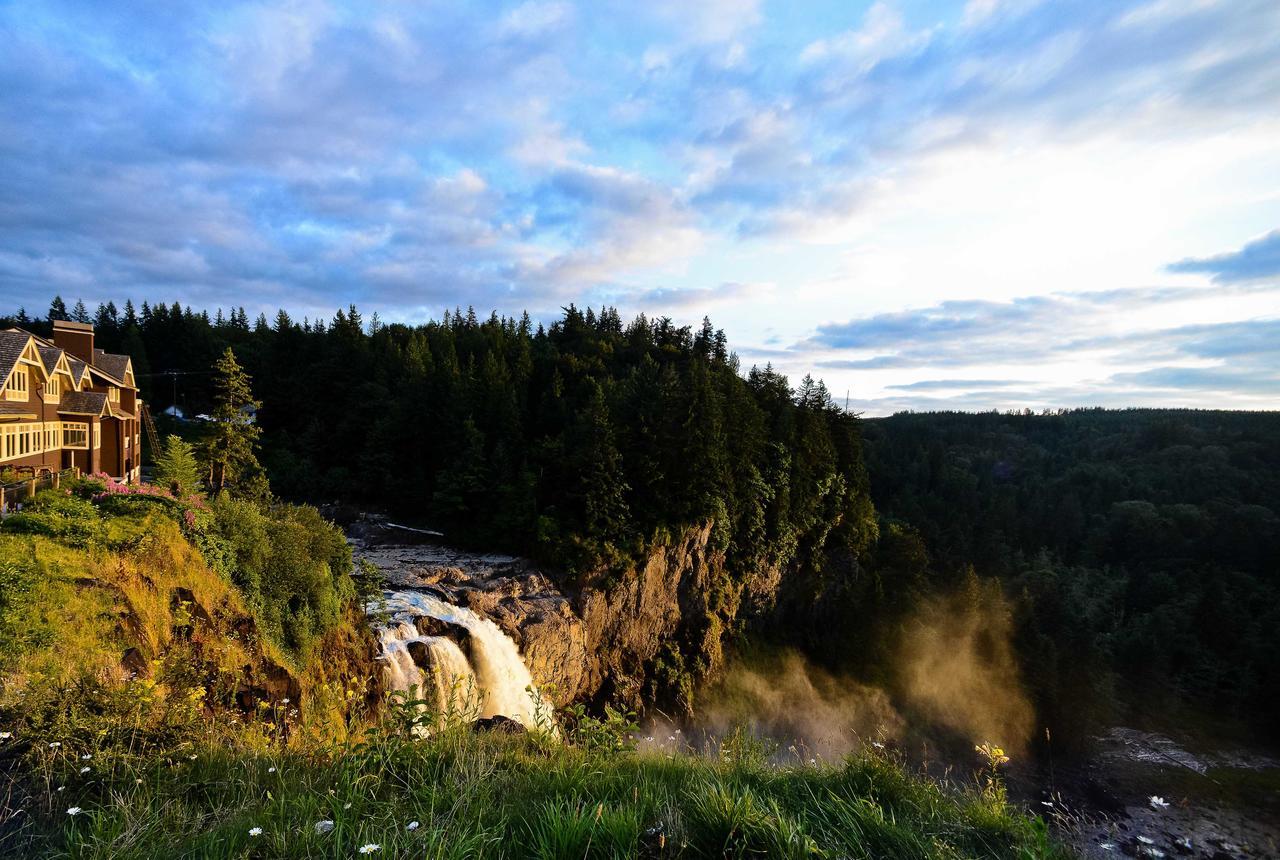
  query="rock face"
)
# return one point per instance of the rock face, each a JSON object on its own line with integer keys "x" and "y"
{"x": 644, "y": 637}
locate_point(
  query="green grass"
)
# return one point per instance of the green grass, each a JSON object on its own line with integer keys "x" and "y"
{"x": 490, "y": 796}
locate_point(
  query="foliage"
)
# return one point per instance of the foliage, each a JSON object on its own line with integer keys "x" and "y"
{"x": 1140, "y": 546}
{"x": 176, "y": 467}
{"x": 230, "y": 447}
{"x": 581, "y": 443}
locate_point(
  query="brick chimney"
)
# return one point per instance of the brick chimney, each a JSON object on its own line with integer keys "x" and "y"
{"x": 76, "y": 338}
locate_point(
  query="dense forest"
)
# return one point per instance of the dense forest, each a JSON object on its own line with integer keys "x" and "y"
{"x": 1142, "y": 547}
{"x": 580, "y": 443}
{"x": 1138, "y": 548}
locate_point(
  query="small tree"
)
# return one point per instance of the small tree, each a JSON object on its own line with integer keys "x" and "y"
{"x": 230, "y": 453}
{"x": 176, "y": 467}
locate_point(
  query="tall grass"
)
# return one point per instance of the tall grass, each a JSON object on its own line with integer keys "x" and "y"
{"x": 487, "y": 795}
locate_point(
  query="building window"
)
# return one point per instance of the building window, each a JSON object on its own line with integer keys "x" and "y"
{"x": 53, "y": 389}
{"x": 114, "y": 395}
{"x": 75, "y": 435}
{"x": 16, "y": 388}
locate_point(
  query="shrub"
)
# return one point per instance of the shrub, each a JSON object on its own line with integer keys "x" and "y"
{"x": 176, "y": 467}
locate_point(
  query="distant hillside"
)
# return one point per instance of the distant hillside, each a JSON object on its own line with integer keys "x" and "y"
{"x": 1143, "y": 545}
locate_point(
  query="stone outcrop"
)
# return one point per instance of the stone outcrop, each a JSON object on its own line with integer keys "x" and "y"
{"x": 643, "y": 636}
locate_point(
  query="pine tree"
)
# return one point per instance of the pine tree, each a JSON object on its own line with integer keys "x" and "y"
{"x": 230, "y": 455}
{"x": 176, "y": 467}
{"x": 81, "y": 313}
{"x": 57, "y": 309}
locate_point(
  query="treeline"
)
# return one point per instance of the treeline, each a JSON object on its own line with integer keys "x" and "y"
{"x": 580, "y": 443}
{"x": 1142, "y": 547}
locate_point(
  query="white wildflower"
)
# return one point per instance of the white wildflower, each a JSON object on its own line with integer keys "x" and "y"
{"x": 86, "y": 757}
{"x": 138, "y": 781}
{"x": 370, "y": 848}
{"x": 1158, "y": 802}
{"x": 84, "y": 769}
{"x": 877, "y": 745}
{"x": 284, "y": 701}
{"x": 4, "y": 736}
{"x": 53, "y": 745}
{"x": 75, "y": 810}
{"x": 62, "y": 788}
{"x": 323, "y": 827}
{"x": 271, "y": 770}
{"x": 193, "y": 756}
{"x": 412, "y": 826}
{"x": 346, "y": 806}
{"x": 255, "y": 831}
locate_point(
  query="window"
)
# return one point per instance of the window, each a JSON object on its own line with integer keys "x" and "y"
{"x": 16, "y": 387}
{"x": 75, "y": 435}
{"x": 114, "y": 394}
{"x": 21, "y": 440}
{"x": 53, "y": 389}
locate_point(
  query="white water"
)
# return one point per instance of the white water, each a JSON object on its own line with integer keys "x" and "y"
{"x": 495, "y": 672}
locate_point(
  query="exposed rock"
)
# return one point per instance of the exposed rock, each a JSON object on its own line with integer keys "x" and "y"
{"x": 500, "y": 724}
{"x": 639, "y": 637}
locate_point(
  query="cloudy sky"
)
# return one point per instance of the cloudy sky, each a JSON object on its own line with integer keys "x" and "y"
{"x": 992, "y": 203}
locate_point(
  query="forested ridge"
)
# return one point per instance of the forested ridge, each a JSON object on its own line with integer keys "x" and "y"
{"x": 1142, "y": 547}
{"x": 579, "y": 443}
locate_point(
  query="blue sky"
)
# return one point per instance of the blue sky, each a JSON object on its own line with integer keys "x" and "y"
{"x": 992, "y": 203}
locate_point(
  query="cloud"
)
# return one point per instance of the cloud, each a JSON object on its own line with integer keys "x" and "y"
{"x": 1257, "y": 259}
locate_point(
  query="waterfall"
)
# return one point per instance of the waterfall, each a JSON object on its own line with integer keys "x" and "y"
{"x": 491, "y": 669}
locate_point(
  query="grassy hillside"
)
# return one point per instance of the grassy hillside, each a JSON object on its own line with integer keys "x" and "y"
{"x": 171, "y": 688}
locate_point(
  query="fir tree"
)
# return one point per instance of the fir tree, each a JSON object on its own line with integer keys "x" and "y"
{"x": 176, "y": 467}
{"x": 57, "y": 309}
{"x": 230, "y": 452}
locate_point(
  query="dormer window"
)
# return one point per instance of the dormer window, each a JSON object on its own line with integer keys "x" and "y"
{"x": 53, "y": 389}
{"x": 17, "y": 388}
{"x": 114, "y": 394}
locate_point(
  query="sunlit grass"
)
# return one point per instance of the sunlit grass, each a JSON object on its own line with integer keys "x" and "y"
{"x": 490, "y": 796}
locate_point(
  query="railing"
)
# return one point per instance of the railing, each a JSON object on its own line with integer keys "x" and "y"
{"x": 14, "y": 494}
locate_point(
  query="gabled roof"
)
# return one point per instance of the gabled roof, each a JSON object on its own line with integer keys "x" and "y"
{"x": 13, "y": 343}
{"x": 116, "y": 366}
{"x": 78, "y": 369}
{"x": 85, "y": 403}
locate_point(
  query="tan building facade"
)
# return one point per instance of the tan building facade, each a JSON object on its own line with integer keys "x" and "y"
{"x": 65, "y": 404}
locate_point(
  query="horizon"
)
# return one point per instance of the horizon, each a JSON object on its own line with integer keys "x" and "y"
{"x": 960, "y": 206}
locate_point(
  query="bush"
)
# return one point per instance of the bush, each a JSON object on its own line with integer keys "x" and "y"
{"x": 59, "y": 514}
{"x": 293, "y": 566}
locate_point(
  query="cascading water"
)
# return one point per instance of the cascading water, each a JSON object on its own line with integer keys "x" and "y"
{"x": 494, "y": 673}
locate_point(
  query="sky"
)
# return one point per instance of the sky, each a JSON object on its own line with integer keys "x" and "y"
{"x": 930, "y": 205}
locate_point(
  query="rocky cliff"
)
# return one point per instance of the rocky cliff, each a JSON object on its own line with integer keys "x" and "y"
{"x": 643, "y": 636}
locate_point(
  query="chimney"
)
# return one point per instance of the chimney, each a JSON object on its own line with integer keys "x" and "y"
{"x": 76, "y": 338}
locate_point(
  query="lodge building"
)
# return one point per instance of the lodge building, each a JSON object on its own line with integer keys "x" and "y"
{"x": 65, "y": 404}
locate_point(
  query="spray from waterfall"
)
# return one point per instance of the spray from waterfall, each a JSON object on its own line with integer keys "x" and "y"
{"x": 489, "y": 669}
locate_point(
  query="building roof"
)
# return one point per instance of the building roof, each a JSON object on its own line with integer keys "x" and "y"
{"x": 84, "y": 403}
{"x": 49, "y": 355}
{"x": 112, "y": 365}
{"x": 12, "y": 344}
{"x": 78, "y": 368}
{"x": 15, "y": 410}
